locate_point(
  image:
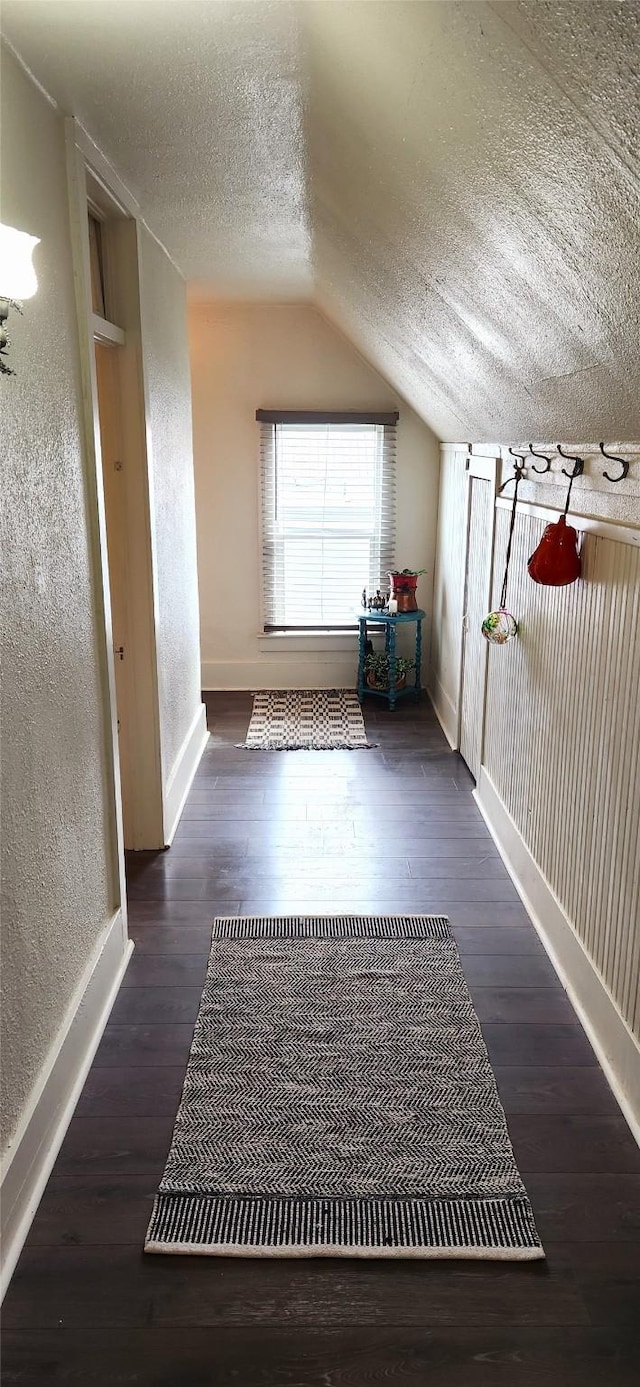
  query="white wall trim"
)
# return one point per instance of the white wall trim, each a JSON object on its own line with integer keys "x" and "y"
{"x": 90, "y": 423}
{"x": 181, "y": 778}
{"x": 136, "y": 757}
{"x": 615, "y": 1045}
{"x": 103, "y": 169}
{"x": 474, "y": 450}
{"x": 105, "y": 173}
{"x": 590, "y": 524}
{"x": 445, "y": 711}
{"x": 32, "y": 1151}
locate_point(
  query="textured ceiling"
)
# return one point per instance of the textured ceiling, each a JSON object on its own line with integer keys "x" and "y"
{"x": 457, "y": 185}
{"x": 198, "y": 104}
{"x": 471, "y": 229}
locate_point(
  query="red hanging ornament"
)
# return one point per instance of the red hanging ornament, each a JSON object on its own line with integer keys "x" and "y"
{"x": 556, "y": 561}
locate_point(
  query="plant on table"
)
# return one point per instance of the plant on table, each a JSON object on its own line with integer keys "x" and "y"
{"x": 406, "y": 572}
{"x": 376, "y": 668}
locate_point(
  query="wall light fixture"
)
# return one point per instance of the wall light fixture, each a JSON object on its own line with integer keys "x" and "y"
{"x": 17, "y": 280}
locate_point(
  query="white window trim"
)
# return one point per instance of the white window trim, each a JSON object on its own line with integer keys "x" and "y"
{"x": 339, "y": 640}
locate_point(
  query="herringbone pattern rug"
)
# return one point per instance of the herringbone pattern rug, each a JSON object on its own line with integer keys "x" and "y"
{"x": 306, "y": 719}
{"x": 339, "y": 1101}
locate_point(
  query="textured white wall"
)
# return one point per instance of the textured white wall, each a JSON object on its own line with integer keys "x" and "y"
{"x": 244, "y": 358}
{"x": 169, "y": 434}
{"x": 55, "y": 816}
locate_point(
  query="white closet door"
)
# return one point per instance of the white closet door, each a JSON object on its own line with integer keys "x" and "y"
{"x": 482, "y": 489}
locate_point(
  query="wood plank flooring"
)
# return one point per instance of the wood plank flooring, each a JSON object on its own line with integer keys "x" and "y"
{"x": 391, "y": 829}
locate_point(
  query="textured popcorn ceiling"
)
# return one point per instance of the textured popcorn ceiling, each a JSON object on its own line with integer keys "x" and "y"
{"x": 199, "y": 107}
{"x": 456, "y": 185}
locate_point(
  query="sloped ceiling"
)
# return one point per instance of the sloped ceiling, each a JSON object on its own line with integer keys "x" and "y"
{"x": 457, "y": 185}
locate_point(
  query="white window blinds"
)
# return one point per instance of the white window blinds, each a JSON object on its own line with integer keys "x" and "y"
{"x": 328, "y": 515}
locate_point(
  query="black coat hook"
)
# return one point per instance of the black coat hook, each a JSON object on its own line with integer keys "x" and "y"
{"x": 578, "y": 463}
{"x": 578, "y": 469}
{"x": 612, "y": 458}
{"x": 544, "y": 458}
{"x": 521, "y": 459}
{"x": 519, "y": 465}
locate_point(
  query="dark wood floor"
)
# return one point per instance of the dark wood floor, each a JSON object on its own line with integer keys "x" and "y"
{"x": 391, "y": 830}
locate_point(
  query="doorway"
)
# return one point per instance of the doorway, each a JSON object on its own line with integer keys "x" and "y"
{"x": 108, "y": 285}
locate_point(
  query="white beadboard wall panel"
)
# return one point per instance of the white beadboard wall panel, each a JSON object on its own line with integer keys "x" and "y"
{"x": 448, "y": 593}
{"x": 562, "y": 742}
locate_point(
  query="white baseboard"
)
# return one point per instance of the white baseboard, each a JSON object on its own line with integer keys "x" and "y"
{"x": 30, "y": 1157}
{"x": 181, "y": 778}
{"x": 616, "y": 1047}
{"x": 444, "y": 710}
{"x": 326, "y": 670}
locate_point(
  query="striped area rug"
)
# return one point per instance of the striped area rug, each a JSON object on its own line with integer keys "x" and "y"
{"x": 306, "y": 719}
{"x": 339, "y": 1101}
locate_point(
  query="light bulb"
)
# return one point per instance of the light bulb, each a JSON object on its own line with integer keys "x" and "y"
{"x": 17, "y": 276}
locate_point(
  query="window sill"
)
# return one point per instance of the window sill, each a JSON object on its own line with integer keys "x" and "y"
{"x": 308, "y": 640}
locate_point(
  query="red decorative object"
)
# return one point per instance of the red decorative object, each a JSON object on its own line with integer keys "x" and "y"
{"x": 556, "y": 561}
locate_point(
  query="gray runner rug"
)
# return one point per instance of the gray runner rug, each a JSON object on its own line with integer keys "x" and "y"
{"x": 306, "y": 719}
{"x": 339, "y": 1101}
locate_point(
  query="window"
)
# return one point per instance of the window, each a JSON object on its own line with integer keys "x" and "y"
{"x": 328, "y": 515}
{"x": 96, "y": 256}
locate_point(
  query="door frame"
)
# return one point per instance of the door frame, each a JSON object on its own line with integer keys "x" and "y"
{"x": 91, "y": 179}
{"x": 485, "y": 467}
{"x": 107, "y": 343}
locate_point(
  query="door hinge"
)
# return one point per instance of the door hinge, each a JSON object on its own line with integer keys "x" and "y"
{"x": 119, "y": 651}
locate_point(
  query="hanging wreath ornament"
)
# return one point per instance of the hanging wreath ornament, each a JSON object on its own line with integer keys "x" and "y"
{"x": 501, "y": 626}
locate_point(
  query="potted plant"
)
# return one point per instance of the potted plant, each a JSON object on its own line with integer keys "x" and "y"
{"x": 376, "y": 668}
{"x": 403, "y": 588}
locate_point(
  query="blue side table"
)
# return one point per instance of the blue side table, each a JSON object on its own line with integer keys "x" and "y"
{"x": 390, "y": 623}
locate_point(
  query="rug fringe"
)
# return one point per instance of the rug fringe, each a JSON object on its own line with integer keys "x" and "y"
{"x": 478, "y": 1254}
{"x": 369, "y": 746}
{"x": 345, "y": 926}
{"x": 271, "y": 1226}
